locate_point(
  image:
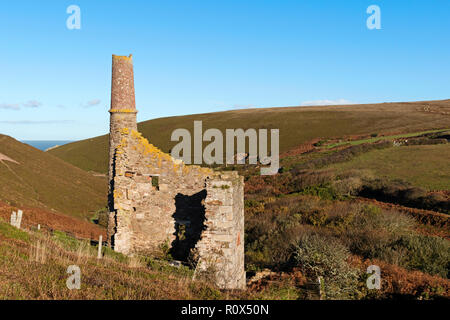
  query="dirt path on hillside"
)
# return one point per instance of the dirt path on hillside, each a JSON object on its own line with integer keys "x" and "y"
{"x": 6, "y": 158}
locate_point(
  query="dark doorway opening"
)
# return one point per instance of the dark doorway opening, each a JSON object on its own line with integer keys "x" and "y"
{"x": 189, "y": 219}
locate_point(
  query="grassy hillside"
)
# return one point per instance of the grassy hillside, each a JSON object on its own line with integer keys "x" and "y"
{"x": 33, "y": 265}
{"x": 34, "y": 178}
{"x": 297, "y": 125}
{"x": 426, "y": 166}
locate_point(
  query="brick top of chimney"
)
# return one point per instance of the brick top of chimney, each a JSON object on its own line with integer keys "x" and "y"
{"x": 122, "y": 85}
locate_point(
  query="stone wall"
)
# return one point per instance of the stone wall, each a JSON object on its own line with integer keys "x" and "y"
{"x": 221, "y": 248}
{"x": 161, "y": 204}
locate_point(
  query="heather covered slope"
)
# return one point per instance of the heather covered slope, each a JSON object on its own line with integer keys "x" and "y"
{"x": 297, "y": 125}
{"x": 30, "y": 177}
{"x": 380, "y": 202}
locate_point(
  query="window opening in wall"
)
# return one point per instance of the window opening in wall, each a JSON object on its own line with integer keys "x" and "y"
{"x": 155, "y": 182}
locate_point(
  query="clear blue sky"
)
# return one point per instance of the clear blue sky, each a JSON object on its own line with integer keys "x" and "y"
{"x": 205, "y": 56}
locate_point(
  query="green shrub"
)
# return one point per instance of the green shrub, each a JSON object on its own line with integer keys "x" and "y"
{"x": 426, "y": 253}
{"x": 270, "y": 235}
{"x": 165, "y": 251}
{"x": 101, "y": 217}
{"x": 205, "y": 292}
{"x": 165, "y": 267}
{"x": 273, "y": 250}
{"x": 347, "y": 187}
{"x": 325, "y": 191}
{"x": 253, "y": 206}
{"x": 376, "y": 234}
{"x": 316, "y": 217}
{"x": 371, "y": 232}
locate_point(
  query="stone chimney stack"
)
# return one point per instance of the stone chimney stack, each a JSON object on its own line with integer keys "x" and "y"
{"x": 123, "y": 106}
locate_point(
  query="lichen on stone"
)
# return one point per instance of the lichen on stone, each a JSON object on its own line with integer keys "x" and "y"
{"x": 122, "y": 111}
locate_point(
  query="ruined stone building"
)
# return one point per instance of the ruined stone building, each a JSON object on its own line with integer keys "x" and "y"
{"x": 159, "y": 204}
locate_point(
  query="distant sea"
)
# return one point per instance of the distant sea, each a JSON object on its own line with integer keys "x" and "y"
{"x": 45, "y": 144}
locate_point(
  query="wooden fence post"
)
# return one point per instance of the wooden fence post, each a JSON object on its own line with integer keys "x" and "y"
{"x": 13, "y": 218}
{"x": 16, "y": 218}
{"x": 99, "y": 254}
{"x": 19, "y": 219}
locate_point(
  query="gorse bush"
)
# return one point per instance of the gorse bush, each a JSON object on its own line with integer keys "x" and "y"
{"x": 371, "y": 232}
{"x": 270, "y": 244}
{"x": 373, "y": 218}
{"x": 375, "y": 234}
{"x": 347, "y": 187}
{"x": 324, "y": 191}
{"x": 426, "y": 253}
